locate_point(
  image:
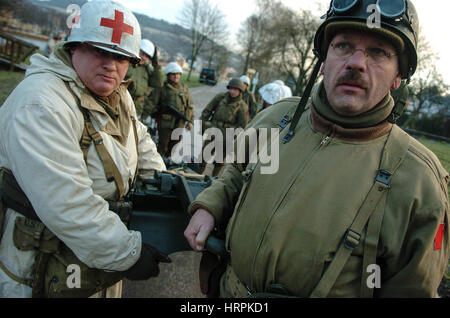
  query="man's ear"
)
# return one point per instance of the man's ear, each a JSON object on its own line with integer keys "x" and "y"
{"x": 396, "y": 83}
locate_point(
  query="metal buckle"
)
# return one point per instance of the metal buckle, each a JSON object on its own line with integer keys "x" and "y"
{"x": 247, "y": 174}
{"x": 384, "y": 177}
{"x": 288, "y": 136}
{"x": 351, "y": 239}
{"x": 284, "y": 121}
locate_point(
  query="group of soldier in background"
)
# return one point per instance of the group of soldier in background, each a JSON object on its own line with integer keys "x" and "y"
{"x": 169, "y": 103}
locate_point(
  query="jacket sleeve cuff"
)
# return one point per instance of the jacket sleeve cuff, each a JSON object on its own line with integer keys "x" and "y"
{"x": 194, "y": 206}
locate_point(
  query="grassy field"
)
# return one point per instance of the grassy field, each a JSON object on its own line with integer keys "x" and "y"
{"x": 441, "y": 149}
{"x": 193, "y": 81}
{"x": 8, "y": 81}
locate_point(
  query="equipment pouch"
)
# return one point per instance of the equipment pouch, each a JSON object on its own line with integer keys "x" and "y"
{"x": 33, "y": 235}
{"x": 58, "y": 272}
{"x": 167, "y": 121}
{"x": 66, "y": 276}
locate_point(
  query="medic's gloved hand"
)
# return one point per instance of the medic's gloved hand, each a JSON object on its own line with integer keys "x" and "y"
{"x": 147, "y": 264}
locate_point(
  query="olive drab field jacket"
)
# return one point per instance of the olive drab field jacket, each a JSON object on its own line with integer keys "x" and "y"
{"x": 142, "y": 79}
{"x": 41, "y": 125}
{"x": 178, "y": 97}
{"x": 286, "y": 227}
{"x": 225, "y": 112}
{"x": 249, "y": 99}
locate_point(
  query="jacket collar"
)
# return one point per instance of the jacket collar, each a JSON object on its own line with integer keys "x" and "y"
{"x": 331, "y": 129}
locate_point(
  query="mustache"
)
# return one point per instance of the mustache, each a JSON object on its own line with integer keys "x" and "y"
{"x": 352, "y": 77}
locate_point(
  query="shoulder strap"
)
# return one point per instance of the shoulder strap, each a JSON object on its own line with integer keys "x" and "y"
{"x": 90, "y": 134}
{"x": 111, "y": 171}
{"x": 393, "y": 155}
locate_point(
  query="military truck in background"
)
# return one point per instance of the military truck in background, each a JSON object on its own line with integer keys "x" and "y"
{"x": 209, "y": 76}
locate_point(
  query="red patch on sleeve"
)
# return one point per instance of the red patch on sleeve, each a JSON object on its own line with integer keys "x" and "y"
{"x": 438, "y": 238}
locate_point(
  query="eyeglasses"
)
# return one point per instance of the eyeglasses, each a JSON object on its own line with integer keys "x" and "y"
{"x": 388, "y": 8}
{"x": 374, "y": 54}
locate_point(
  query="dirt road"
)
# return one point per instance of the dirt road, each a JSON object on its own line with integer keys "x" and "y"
{"x": 180, "y": 278}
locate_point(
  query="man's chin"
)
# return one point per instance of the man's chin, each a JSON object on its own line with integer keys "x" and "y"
{"x": 349, "y": 109}
{"x": 103, "y": 91}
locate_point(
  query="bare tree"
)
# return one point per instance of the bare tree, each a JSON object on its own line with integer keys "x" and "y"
{"x": 278, "y": 42}
{"x": 427, "y": 86}
{"x": 293, "y": 34}
{"x": 249, "y": 38}
{"x": 216, "y": 44}
{"x": 205, "y": 22}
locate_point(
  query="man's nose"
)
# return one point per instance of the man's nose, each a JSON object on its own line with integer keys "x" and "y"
{"x": 358, "y": 61}
{"x": 109, "y": 62}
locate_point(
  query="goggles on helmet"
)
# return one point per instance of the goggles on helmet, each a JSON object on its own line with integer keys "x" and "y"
{"x": 391, "y": 9}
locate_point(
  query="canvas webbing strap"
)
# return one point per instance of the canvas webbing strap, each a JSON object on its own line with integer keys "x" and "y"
{"x": 24, "y": 281}
{"x": 28, "y": 282}
{"x": 393, "y": 154}
{"x": 111, "y": 171}
{"x": 303, "y": 101}
{"x": 136, "y": 140}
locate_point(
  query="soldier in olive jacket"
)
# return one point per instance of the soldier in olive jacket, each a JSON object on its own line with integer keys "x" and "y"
{"x": 144, "y": 76}
{"x": 248, "y": 97}
{"x": 175, "y": 94}
{"x": 357, "y": 208}
{"x": 225, "y": 110}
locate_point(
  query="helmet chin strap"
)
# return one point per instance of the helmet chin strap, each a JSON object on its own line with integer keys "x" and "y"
{"x": 302, "y": 104}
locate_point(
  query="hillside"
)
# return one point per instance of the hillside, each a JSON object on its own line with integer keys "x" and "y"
{"x": 172, "y": 38}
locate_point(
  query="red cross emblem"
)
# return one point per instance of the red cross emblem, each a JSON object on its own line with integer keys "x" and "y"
{"x": 118, "y": 26}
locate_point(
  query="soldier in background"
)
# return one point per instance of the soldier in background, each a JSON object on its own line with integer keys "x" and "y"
{"x": 248, "y": 97}
{"x": 270, "y": 94}
{"x": 225, "y": 110}
{"x": 143, "y": 76}
{"x": 50, "y": 47}
{"x": 161, "y": 102}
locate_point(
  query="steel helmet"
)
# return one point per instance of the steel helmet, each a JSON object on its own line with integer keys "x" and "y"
{"x": 107, "y": 25}
{"x": 399, "y": 23}
{"x": 236, "y": 83}
{"x": 173, "y": 67}
{"x": 287, "y": 91}
{"x": 272, "y": 92}
{"x": 245, "y": 79}
{"x": 279, "y": 82}
{"x": 148, "y": 47}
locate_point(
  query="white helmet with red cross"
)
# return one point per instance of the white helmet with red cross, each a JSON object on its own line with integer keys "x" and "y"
{"x": 107, "y": 25}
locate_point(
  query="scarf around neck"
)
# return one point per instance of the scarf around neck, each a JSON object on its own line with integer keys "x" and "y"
{"x": 372, "y": 117}
{"x": 364, "y": 127}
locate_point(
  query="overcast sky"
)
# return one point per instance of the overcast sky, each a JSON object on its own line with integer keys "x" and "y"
{"x": 432, "y": 16}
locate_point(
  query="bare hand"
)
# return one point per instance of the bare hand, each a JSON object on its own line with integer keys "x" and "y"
{"x": 198, "y": 229}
